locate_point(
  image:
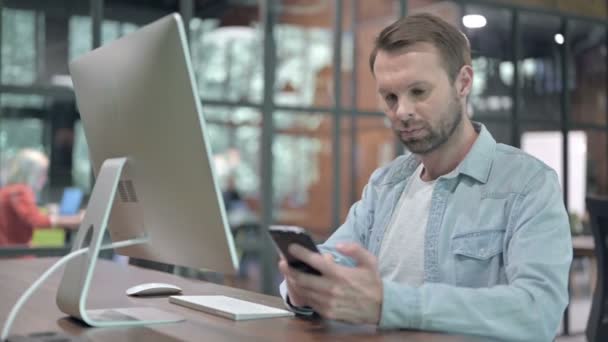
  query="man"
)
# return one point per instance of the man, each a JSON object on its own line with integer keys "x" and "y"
{"x": 461, "y": 234}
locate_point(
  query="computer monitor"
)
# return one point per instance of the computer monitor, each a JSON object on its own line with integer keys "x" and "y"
{"x": 148, "y": 146}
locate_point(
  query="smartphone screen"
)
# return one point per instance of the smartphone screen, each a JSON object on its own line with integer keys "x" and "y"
{"x": 283, "y": 236}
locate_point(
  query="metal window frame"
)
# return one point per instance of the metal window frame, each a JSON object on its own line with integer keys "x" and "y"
{"x": 268, "y": 257}
{"x": 337, "y": 115}
{"x": 354, "y": 142}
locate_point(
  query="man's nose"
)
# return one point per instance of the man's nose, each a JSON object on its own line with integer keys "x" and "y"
{"x": 405, "y": 110}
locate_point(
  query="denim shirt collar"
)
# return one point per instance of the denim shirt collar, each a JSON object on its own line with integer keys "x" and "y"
{"x": 476, "y": 164}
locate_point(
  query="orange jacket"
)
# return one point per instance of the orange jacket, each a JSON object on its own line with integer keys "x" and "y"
{"x": 19, "y": 215}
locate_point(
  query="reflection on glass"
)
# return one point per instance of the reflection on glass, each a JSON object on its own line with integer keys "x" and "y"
{"x": 500, "y": 130}
{"x": 304, "y": 161}
{"x": 113, "y": 29}
{"x": 17, "y": 134}
{"x": 304, "y": 65}
{"x": 547, "y": 146}
{"x": 375, "y": 147}
{"x": 304, "y": 41}
{"x": 9, "y": 101}
{"x": 20, "y": 123}
{"x": 227, "y": 53}
{"x": 302, "y": 178}
{"x": 121, "y": 17}
{"x": 19, "y": 56}
{"x": 234, "y": 135}
{"x": 597, "y": 162}
{"x": 21, "y": 127}
{"x": 18, "y": 46}
{"x": 587, "y": 78}
{"x": 80, "y": 33}
{"x": 587, "y": 163}
{"x": 373, "y": 16}
{"x": 590, "y": 160}
{"x": 491, "y": 48}
{"x": 540, "y": 67}
{"x": 449, "y": 11}
{"x": 79, "y": 36}
{"x": 38, "y": 40}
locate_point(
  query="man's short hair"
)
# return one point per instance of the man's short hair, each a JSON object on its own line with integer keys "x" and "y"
{"x": 453, "y": 45}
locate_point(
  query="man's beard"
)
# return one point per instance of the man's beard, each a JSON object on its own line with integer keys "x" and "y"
{"x": 435, "y": 137}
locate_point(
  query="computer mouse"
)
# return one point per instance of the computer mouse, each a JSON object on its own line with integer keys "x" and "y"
{"x": 153, "y": 289}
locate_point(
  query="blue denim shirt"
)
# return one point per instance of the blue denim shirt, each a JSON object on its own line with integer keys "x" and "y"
{"x": 497, "y": 247}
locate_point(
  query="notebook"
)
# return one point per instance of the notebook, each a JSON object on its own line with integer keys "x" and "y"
{"x": 229, "y": 307}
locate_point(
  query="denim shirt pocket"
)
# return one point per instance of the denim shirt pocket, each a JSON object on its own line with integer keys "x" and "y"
{"x": 478, "y": 258}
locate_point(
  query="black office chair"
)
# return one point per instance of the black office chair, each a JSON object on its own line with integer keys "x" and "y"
{"x": 597, "y": 325}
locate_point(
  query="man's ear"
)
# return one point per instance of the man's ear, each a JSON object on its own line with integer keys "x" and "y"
{"x": 464, "y": 81}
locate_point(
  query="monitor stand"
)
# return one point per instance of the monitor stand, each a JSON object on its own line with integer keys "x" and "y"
{"x": 74, "y": 287}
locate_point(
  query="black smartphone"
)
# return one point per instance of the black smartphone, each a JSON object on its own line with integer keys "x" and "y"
{"x": 283, "y": 236}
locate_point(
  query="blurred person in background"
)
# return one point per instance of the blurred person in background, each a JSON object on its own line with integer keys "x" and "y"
{"x": 24, "y": 177}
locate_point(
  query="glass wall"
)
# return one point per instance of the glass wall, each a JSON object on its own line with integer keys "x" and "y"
{"x": 587, "y": 73}
{"x": 538, "y": 75}
{"x": 370, "y": 18}
{"x": 302, "y": 178}
{"x": 491, "y": 99}
{"x": 36, "y": 101}
{"x": 304, "y": 53}
{"x": 35, "y": 41}
{"x": 226, "y": 45}
{"x": 595, "y": 161}
{"x": 19, "y": 48}
{"x": 587, "y": 113}
{"x": 234, "y": 133}
{"x": 539, "y": 65}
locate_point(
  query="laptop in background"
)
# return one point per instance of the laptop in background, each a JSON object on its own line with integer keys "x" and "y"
{"x": 70, "y": 201}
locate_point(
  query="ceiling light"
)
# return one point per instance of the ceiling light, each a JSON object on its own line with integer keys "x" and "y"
{"x": 474, "y": 21}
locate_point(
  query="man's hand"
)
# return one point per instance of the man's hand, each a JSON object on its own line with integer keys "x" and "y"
{"x": 349, "y": 294}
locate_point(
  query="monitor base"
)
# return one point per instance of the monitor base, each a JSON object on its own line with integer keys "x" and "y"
{"x": 78, "y": 274}
{"x": 130, "y": 316}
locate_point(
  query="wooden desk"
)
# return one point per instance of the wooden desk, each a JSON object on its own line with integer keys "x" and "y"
{"x": 107, "y": 290}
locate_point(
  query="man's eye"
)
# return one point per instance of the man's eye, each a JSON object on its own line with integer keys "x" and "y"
{"x": 418, "y": 92}
{"x": 390, "y": 98}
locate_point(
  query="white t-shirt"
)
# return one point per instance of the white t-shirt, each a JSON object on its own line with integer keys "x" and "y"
{"x": 401, "y": 257}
